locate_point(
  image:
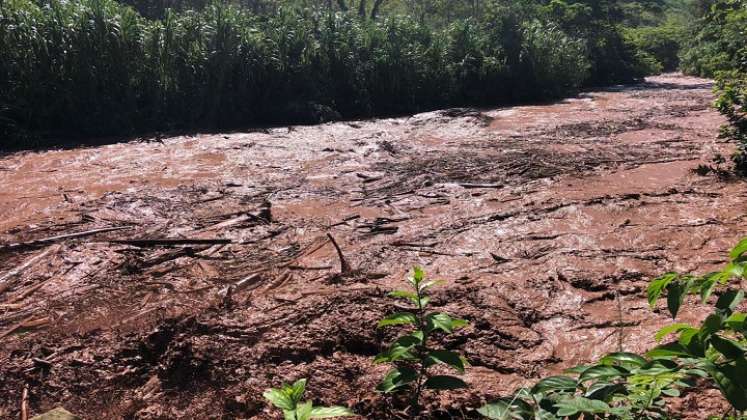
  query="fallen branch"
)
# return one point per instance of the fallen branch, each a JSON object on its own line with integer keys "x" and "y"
{"x": 415, "y": 245}
{"x": 471, "y": 186}
{"x": 29, "y": 322}
{"x": 52, "y": 239}
{"x": 344, "y": 266}
{"x": 143, "y": 243}
{"x": 345, "y": 220}
{"x": 25, "y": 403}
{"x": 5, "y": 284}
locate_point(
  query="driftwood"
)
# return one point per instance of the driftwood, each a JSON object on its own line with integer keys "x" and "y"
{"x": 58, "y": 238}
{"x": 4, "y": 280}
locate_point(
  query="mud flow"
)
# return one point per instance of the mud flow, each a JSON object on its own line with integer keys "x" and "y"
{"x": 181, "y": 278}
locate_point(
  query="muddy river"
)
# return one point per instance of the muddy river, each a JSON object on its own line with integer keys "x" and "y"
{"x": 180, "y": 278}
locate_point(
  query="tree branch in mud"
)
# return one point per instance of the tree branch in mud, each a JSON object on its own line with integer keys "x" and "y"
{"x": 58, "y": 238}
{"x": 344, "y": 266}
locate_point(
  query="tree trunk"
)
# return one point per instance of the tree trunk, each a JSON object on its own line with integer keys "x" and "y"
{"x": 376, "y": 7}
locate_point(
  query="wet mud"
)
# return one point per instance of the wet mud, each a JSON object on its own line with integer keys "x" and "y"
{"x": 546, "y": 221}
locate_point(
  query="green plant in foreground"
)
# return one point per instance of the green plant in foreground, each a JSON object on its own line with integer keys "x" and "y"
{"x": 717, "y": 346}
{"x": 413, "y": 354}
{"x": 288, "y": 398}
{"x": 630, "y": 386}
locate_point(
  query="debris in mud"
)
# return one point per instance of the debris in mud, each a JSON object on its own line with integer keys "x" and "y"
{"x": 223, "y": 280}
{"x": 58, "y": 413}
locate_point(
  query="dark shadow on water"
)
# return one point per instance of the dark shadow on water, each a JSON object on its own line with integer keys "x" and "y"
{"x": 67, "y": 143}
{"x": 649, "y": 85}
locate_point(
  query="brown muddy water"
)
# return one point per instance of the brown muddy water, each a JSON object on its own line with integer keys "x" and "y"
{"x": 546, "y": 221}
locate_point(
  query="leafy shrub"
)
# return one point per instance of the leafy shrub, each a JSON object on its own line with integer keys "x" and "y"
{"x": 289, "y": 399}
{"x": 413, "y": 354}
{"x": 717, "y": 46}
{"x": 628, "y": 386}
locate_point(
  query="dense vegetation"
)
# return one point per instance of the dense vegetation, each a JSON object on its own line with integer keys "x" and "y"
{"x": 717, "y": 47}
{"x": 88, "y": 68}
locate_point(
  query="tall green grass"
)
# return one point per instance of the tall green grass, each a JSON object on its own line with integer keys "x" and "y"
{"x": 96, "y": 67}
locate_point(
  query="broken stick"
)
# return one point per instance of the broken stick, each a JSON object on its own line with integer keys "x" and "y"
{"x": 344, "y": 266}
{"x": 52, "y": 239}
{"x": 25, "y": 403}
{"x": 240, "y": 285}
{"x": 473, "y": 186}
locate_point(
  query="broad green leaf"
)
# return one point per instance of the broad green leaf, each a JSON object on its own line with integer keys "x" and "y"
{"x": 503, "y": 410}
{"x": 427, "y": 285}
{"x": 397, "y": 379}
{"x": 403, "y": 294}
{"x": 581, "y": 405}
{"x": 602, "y": 390}
{"x": 417, "y": 276}
{"x": 289, "y": 415}
{"x": 728, "y": 378}
{"x": 671, "y": 329}
{"x": 330, "y": 412}
{"x": 730, "y": 300}
{"x": 735, "y": 269}
{"x": 303, "y": 411}
{"x": 676, "y": 293}
{"x": 279, "y": 399}
{"x": 297, "y": 390}
{"x": 736, "y": 321}
{"x": 623, "y": 359}
{"x": 657, "y": 287}
{"x": 447, "y": 357}
{"x": 729, "y": 348}
{"x": 400, "y": 318}
{"x": 709, "y": 283}
{"x": 459, "y": 323}
{"x": 602, "y": 373}
{"x": 397, "y": 352}
{"x": 712, "y": 324}
{"x": 668, "y": 351}
{"x": 554, "y": 383}
{"x": 442, "y": 321}
{"x": 444, "y": 382}
{"x": 671, "y": 392}
{"x": 693, "y": 342}
{"x": 738, "y": 250}
{"x": 577, "y": 370}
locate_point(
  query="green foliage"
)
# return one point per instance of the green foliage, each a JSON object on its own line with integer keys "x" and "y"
{"x": 717, "y": 47}
{"x": 630, "y": 386}
{"x": 658, "y": 46}
{"x": 289, "y": 399}
{"x": 99, "y": 67}
{"x": 413, "y": 354}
